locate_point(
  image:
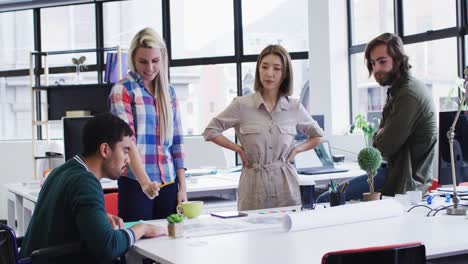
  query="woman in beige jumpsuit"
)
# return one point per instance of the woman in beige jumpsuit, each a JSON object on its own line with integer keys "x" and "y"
{"x": 266, "y": 124}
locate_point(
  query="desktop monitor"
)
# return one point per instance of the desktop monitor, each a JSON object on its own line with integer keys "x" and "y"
{"x": 72, "y": 130}
{"x": 460, "y": 147}
{"x": 320, "y": 119}
{"x": 87, "y": 97}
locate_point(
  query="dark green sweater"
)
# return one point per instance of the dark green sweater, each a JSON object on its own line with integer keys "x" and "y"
{"x": 409, "y": 136}
{"x": 70, "y": 209}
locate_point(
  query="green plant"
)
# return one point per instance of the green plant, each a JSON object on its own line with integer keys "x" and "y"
{"x": 175, "y": 218}
{"x": 367, "y": 128}
{"x": 369, "y": 159}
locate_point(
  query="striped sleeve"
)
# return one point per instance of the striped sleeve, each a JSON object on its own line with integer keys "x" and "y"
{"x": 177, "y": 140}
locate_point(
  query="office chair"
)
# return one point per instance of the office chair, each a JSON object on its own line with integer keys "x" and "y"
{"x": 9, "y": 254}
{"x": 408, "y": 253}
{"x": 111, "y": 203}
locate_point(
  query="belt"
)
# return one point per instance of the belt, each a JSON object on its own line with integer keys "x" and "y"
{"x": 269, "y": 166}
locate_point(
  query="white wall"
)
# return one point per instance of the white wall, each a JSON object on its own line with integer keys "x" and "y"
{"x": 328, "y": 59}
{"x": 15, "y": 165}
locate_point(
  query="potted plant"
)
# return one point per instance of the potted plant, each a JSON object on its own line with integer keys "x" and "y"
{"x": 369, "y": 158}
{"x": 174, "y": 226}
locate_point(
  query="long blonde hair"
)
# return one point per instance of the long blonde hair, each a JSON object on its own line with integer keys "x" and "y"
{"x": 148, "y": 38}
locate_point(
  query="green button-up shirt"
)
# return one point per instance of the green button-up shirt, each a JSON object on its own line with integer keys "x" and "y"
{"x": 408, "y": 136}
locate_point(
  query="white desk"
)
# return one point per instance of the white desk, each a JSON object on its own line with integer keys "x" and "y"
{"x": 22, "y": 197}
{"x": 442, "y": 235}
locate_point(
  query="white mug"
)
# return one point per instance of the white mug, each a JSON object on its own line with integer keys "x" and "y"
{"x": 415, "y": 197}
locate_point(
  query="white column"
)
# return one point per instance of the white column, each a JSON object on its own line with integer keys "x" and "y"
{"x": 328, "y": 40}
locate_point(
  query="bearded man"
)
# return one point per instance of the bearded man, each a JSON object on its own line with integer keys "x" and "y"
{"x": 407, "y": 133}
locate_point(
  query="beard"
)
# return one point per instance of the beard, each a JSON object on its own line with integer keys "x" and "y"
{"x": 386, "y": 78}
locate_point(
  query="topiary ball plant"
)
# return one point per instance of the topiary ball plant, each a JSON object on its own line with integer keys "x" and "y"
{"x": 369, "y": 159}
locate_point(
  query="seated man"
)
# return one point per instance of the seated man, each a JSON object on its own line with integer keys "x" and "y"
{"x": 70, "y": 207}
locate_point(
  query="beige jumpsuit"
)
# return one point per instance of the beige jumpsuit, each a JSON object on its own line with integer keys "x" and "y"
{"x": 267, "y": 139}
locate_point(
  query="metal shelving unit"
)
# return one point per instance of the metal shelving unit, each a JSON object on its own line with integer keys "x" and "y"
{"x": 40, "y": 119}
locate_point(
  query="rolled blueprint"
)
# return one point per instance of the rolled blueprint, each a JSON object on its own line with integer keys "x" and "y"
{"x": 345, "y": 214}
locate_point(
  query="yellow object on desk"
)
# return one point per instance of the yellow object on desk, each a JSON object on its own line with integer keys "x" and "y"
{"x": 166, "y": 184}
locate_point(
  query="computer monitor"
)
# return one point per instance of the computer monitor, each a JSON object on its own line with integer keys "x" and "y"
{"x": 72, "y": 131}
{"x": 460, "y": 147}
{"x": 87, "y": 97}
{"x": 320, "y": 119}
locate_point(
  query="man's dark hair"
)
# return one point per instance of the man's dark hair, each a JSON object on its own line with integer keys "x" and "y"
{"x": 395, "y": 50}
{"x": 103, "y": 128}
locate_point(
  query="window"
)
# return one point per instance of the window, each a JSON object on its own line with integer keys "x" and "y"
{"x": 15, "y": 108}
{"x": 203, "y": 92}
{"x": 368, "y": 96}
{"x": 432, "y": 49}
{"x": 204, "y": 88}
{"x": 122, "y": 20}
{"x": 197, "y": 32}
{"x": 271, "y": 22}
{"x": 17, "y": 40}
{"x": 370, "y": 18}
{"x": 68, "y": 28}
{"x": 435, "y": 63}
{"x": 423, "y": 15}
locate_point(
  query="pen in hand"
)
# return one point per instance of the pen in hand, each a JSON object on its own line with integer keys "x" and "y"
{"x": 166, "y": 184}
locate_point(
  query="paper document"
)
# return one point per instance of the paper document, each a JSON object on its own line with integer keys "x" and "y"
{"x": 199, "y": 172}
{"x": 216, "y": 226}
{"x": 345, "y": 214}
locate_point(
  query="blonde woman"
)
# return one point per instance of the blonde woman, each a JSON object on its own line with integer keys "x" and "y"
{"x": 266, "y": 124}
{"x": 146, "y": 101}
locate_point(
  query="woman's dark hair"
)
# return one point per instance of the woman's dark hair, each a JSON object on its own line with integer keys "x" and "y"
{"x": 286, "y": 87}
{"x": 394, "y": 48}
{"x": 103, "y": 128}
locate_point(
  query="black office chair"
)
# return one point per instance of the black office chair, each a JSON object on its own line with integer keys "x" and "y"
{"x": 9, "y": 245}
{"x": 409, "y": 253}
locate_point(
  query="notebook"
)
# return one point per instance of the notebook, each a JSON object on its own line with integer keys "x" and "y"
{"x": 316, "y": 161}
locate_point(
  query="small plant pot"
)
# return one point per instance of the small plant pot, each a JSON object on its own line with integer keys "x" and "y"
{"x": 175, "y": 230}
{"x": 371, "y": 196}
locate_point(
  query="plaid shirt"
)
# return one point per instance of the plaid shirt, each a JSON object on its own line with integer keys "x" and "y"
{"x": 132, "y": 102}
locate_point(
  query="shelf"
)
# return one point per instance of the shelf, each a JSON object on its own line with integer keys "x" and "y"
{"x": 69, "y": 86}
{"x": 40, "y": 122}
{"x": 58, "y": 52}
{"x": 59, "y": 99}
{"x": 48, "y": 157}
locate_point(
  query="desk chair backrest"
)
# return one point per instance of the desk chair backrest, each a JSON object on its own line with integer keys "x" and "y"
{"x": 409, "y": 253}
{"x": 55, "y": 254}
{"x": 9, "y": 246}
{"x": 111, "y": 203}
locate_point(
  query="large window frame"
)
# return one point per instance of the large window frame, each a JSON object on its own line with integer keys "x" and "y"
{"x": 238, "y": 58}
{"x": 459, "y": 32}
